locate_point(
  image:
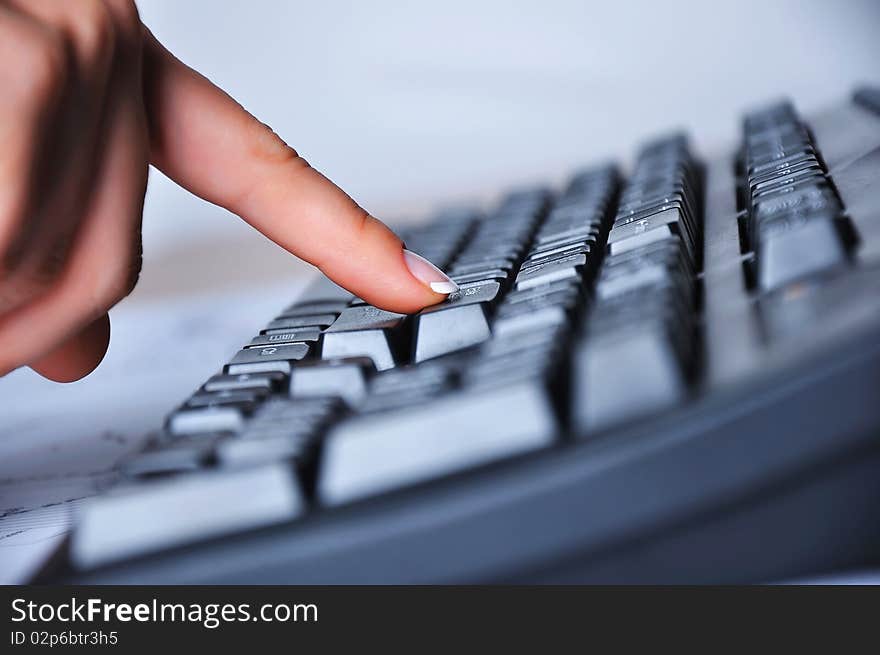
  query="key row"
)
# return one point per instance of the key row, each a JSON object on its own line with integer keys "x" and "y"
{"x": 328, "y": 345}
{"x": 411, "y": 429}
{"x": 795, "y": 224}
{"x": 301, "y": 334}
{"x": 640, "y": 345}
{"x": 484, "y": 270}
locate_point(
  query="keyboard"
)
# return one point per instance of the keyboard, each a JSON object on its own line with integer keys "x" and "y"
{"x": 665, "y": 374}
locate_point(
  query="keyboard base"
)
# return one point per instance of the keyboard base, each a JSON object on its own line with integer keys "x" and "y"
{"x": 817, "y": 473}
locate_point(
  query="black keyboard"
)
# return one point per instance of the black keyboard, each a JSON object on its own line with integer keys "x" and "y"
{"x": 668, "y": 375}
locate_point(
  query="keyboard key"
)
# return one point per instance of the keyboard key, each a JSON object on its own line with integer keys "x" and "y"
{"x": 301, "y": 321}
{"x": 539, "y": 294}
{"x": 637, "y": 353}
{"x": 174, "y": 455}
{"x": 388, "y": 450}
{"x": 265, "y": 446}
{"x": 664, "y": 232}
{"x": 425, "y": 376}
{"x": 156, "y": 515}
{"x": 366, "y": 331}
{"x": 545, "y": 251}
{"x": 344, "y": 377}
{"x": 212, "y": 419}
{"x": 529, "y": 321}
{"x": 268, "y": 358}
{"x": 504, "y": 263}
{"x": 255, "y": 381}
{"x": 669, "y": 219}
{"x": 461, "y": 321}
{"x": 270, "y": 337}
{"x": 793, "y": 246}
{"x": 245, "y": 400}
{"x": 568, "y": 268}
{"x": 796, "y": 224}
{"x": 282, "y": 429}
{"x": 626, "y": 375}
{"x": 480, "y": 276}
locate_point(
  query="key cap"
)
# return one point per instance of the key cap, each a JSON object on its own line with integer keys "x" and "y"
{"x": 527, "y": 366}
{"x": 461, "y": 321}
{"x": 555, "y": 255}
{"x": 794, "y": 246}
{"x": 268, "y": 358}
{"x": 423, "y": 376}
{"x": 280, "y": 443}
{"x": 539, "y": 293}
{"x": 504, "y": 263}
{"x": 345, "y": 377}
{"x": 557, "y": 249}
{"x": 643, "y": 276}
{"x": 550, "y": 234}
{"x": 384, "y": 451}
{"x": 255, "y": 381}
{"x": 303, "y": 321}
{"x": 479, "y": 276}
{"x": 271, "y": 337}
{"x": 520, "y": 342}
{"x": 212, "y": 419}
{"x": 568, "y": 299}
{"x": 671, "y": 218}
{"x": 663, "y": 233}
{"x": 408, "y": 385}
{"x": 176, "y": 455}
{"x": 152, "y": 516}
{"x": 282, "y": 429}
{"x": 376, "y": 402}
{"x": 367, "y": 331}
{"x": 534, "y": 320}
{"x": 625, "y": 376}
{"x": 246, "y": 400}
{"x": 805, "y": 198}
{"x": 569, "y": 268}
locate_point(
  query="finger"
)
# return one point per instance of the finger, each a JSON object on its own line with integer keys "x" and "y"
{"x": 29, "y": 106}
{"x": 37, "y": 252}
{"x": 105, "y": 259}
{"x": 77, "y": 356}
{"x": 209, "y": 144}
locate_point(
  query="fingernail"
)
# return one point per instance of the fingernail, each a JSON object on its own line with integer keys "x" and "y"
{"x": 425, "y": 271}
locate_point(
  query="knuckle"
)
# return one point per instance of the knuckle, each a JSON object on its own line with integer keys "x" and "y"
{"x": 127, "y": 18}
{"x": 44, "y": 60}
{"x": 95, "y": 32}
{"x": 267, "y": 146}
{"x": 53, "y": 262}
{"x": 25, "y": 285}
{"x": 121, "y": 278}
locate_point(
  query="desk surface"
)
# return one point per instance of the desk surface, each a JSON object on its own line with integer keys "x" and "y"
{"x": 59, "y": 443}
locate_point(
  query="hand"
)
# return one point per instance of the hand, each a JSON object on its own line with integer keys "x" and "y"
{"x": 89, "y": 99}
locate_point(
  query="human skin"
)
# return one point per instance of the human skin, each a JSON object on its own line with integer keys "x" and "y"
{"x": 91, "y": 99}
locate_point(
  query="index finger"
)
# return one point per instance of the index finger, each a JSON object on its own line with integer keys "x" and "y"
{"x": 209, "y": 144}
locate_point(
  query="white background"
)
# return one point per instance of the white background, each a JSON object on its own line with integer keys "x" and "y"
{"x": 406, "y": 104}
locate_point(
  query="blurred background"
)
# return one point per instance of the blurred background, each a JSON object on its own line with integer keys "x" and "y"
{"x": 406, "y": 106}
